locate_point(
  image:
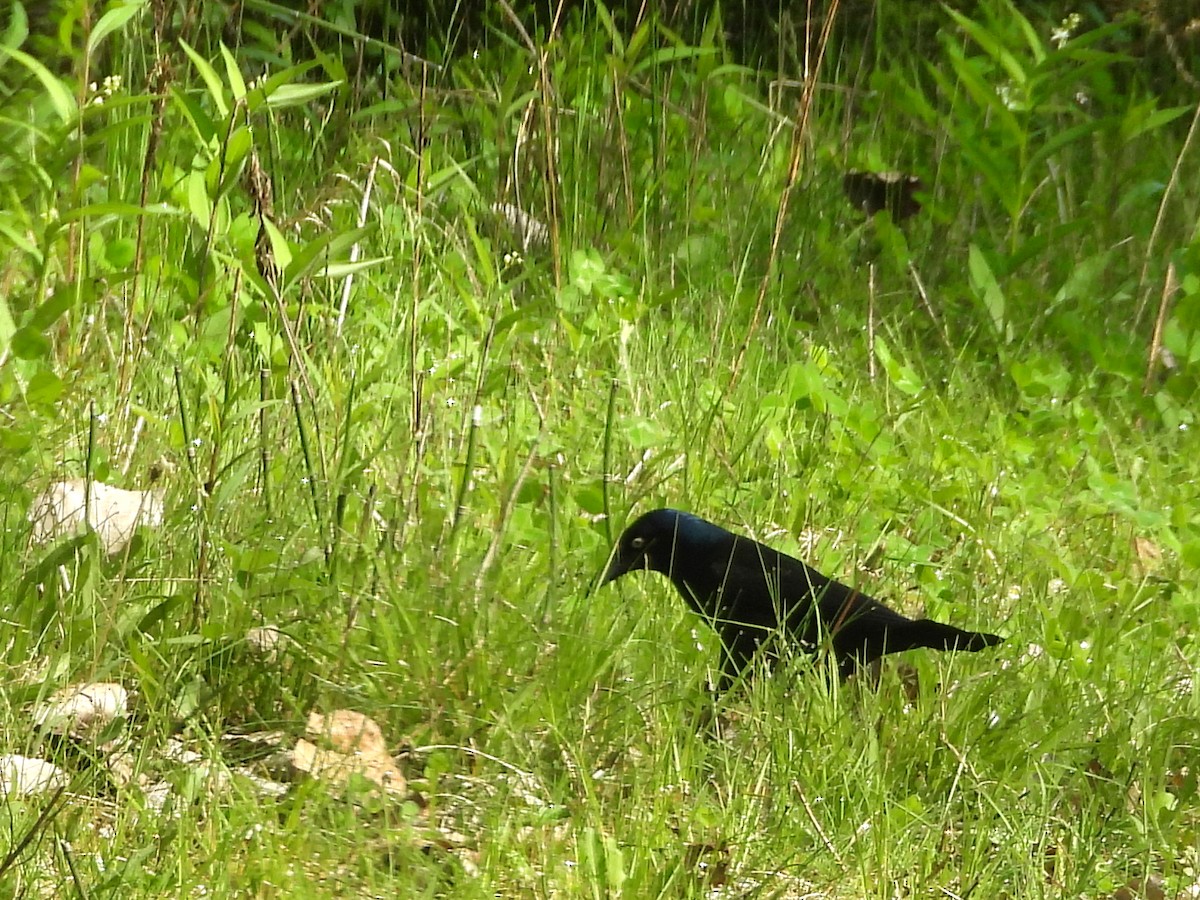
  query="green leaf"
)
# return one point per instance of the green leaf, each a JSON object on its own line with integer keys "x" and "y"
{"x": 45, "y": 388}
{"x": 237, "y": 84}
{"x": 983, "y": 93}
{"x": 30, "y": 343}
{"x": 119, "y": 253}
{"x": 258, "y": 96}
{"x": 113, "y": 20}
{"x": 986, "y": 288}
{"x": 614, "y": 33}
{"x": 670, "y": 55}
{"x": 1060, "y": 140}
{"x": 8, "y": 326}
{"x": 298, "y": 94}
{"x": 199, "y": 118}
{"x": 12, "y": 231}
{"x": 990, "y": 45}
{"x": 15, "y": 441}
{"x": 60, "y": 98}
{"x": 215, "y": 88}
{"x": 118, "y": 210}
{"x": 280, "y": 248}
{"x": 899, "y": 374}
{"x": 1131, "y": 127}
{"x": 306, "y": 259}
{"x": 198, "y": 201}
{"x": 590, "y": 499}
{"x": 340, "y": 270}
{"x": 237, "y": 148}
{"x": 49, "y": 311}
{"x": 1085, "y": 279}
{"x": 17, "y": 30}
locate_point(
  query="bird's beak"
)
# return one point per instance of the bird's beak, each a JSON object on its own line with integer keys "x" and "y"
{"x": 619, "y": 564}
{"x": 615, "y": 569}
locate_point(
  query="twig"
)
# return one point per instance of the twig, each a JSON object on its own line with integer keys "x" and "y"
{"x": 871, "y": 321}
{"x": 1162, "y": 213}
{"x": 1170, "y": 286}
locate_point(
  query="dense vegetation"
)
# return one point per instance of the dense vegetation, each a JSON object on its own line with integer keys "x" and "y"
{"x": 403, "y": 333}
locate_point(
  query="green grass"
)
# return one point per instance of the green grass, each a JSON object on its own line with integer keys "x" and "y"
{"x": 417, "y": 496}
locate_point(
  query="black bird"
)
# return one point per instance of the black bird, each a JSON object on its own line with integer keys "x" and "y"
{"x": 746, "y": 591}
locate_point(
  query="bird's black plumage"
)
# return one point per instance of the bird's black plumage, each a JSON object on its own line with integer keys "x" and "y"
{"x": 747, "y": 591}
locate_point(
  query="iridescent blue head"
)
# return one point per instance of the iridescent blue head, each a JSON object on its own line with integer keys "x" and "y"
{"x": 651, "y": 542}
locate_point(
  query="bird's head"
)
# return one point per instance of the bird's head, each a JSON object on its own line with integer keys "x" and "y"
{"x": 659, "y": 540}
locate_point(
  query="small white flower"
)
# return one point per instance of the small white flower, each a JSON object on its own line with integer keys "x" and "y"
{"x": 1005, "y": 93}
{"x": 1063, "y": 32}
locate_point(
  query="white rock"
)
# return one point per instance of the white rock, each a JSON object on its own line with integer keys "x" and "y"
{"x": 111, "y": 512}
{"x": 22, "y": 776}
{"x": 83, "y": 708}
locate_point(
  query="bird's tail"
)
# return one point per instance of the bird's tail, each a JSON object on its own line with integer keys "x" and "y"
{"x": 941, "y": 636}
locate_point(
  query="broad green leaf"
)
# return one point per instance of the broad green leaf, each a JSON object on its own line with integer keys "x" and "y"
{"x": 52, "y": 308}
{"x": 280, "y": 248}
{"x": 899, "y": 374}
{"x": 298, "y": 94}
{"x": 1131, "y": 127}
{"x": 45, "y": 388}
{"x": 1084, "y": 280}
{"x": 199, "y": 118}
{"x": 17, "y": 30}
{"x": 119, "y": 253}
{"x": 990, "y": 45}
{"x": 215, "y": 88}
{"x": 29, "y": 343}
{"x": 60, "y": 97}
{"x": 113, "y": 20}
{"x": 291, "y": 75}
{"x": 236, "y": 150}
{"x": 1060, "y": 140}
{"x": 198, "y": 202}
{"x": 986, "y": 288}
{"x": 340, "y": 270}
{"x": 982, "y": 92}
{"x": 237, "y": 84}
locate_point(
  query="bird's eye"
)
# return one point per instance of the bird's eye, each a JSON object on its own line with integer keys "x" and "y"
{"x": 638, "y": 543}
